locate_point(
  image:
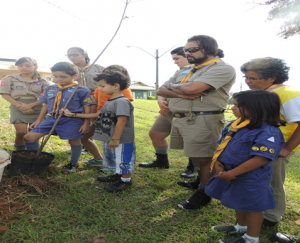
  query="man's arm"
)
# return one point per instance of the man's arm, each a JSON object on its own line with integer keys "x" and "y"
{"x": 168, "y": 93}
{"x": 189, "y": 88}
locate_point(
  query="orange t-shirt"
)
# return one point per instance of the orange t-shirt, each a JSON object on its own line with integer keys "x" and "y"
{"x": 102, "y": 98}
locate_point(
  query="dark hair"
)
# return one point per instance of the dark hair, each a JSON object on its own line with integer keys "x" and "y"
{"x": 268, "y": 67}
{"x": 82, "y": 51}
{"x": 21, "y": 60}
{"x": 207, "y": 43}
{"x": 264, "y": 107}
{"x": 114, "y": 74}
{"x": 65, "y": 67}
{"x": 220, "y": 53}
{"x": 178, "y": 51}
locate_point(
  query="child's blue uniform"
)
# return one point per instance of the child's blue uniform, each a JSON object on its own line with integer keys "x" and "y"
{"x": 68, "y": 127}
{"x": 251, "y": 191}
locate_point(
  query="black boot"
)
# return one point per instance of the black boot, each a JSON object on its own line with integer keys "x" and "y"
{"x": 190, "y": 184}
{"x": 160, "y": 162}
{"x": 189, "y": 171}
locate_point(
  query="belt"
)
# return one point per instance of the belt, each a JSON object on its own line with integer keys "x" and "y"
{"x": 27, "y": 97}
{"x": 198, "y": 113}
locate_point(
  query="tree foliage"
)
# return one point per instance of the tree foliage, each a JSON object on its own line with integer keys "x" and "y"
{"x": 289, "y": 10}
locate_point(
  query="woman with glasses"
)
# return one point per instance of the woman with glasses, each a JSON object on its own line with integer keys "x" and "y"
{"x": 22, "y": 91}
{"x": 270, "y": 74}
{"x": 79, "y": 57}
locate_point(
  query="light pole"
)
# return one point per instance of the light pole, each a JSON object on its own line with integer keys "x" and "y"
{"x": 156, "y": 58}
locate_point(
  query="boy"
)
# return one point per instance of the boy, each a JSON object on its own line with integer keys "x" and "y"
{"x": 115, "y": 128}
{"x": 54, "y": 98}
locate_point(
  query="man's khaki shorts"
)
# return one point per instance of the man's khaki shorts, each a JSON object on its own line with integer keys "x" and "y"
{"x": 162, "y": 123}
{"x": 199, "y": 139}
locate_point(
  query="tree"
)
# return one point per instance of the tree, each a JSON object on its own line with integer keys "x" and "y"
{"x": 289, "y": 10}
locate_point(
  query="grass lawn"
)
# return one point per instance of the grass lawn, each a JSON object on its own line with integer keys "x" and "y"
{"x": 76, "y": 208}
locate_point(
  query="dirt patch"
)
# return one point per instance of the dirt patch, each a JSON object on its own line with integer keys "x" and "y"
{"x": 30, "y": 155}
{"x": 14, "y": 189}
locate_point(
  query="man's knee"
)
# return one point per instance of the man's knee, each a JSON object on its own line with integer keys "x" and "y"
{"x": 21, "y": 134}
{"x": 157, "y": 135}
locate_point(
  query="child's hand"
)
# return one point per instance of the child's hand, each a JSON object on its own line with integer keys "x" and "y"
{"x": 225, "y": 175}
{"x": 66, "y": 112}
{"x": 85, "y": 128}
{"x": 218, "y": 168}
{"x": 113, "y": 143}
{"x": 28, "y": 112}
{"x": 35, "y": 124}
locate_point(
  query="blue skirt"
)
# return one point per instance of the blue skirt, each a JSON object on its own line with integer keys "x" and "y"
{"x": 249, "y": 192}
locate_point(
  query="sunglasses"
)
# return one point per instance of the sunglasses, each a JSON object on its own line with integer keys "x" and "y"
{"x": 192, "y": 49}
{"x": 72, "y": 55}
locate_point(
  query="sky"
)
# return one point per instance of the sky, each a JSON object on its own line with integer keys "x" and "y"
{"x": 45, "y": 29}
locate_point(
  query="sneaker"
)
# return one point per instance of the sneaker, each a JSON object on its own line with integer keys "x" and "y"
{"x": 104, "y": 170}
{"x": 118, "y": 186}
{"x": 69, "y": 168}
{"x": 188, "y": 173}
{"x": 285, "y": 238}
{"x": 112, "y": 178}
{"x": 269, "y": 223}
{"x": 94, "y": 162}
{"x": 233, "y": 240}
{"x": 189, "y": 184}
{"x": 229, "y": 229}
{"x": 197, "y": 200}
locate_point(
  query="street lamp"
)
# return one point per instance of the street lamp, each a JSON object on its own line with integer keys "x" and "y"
{"x": 156, "y": 58}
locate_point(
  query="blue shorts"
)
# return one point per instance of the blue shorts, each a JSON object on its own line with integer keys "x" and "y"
{"x": 67, "y": 128}
{"x": 120, "y": 160}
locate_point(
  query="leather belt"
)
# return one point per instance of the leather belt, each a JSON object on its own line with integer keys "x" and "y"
{"x": 198, "y": 113}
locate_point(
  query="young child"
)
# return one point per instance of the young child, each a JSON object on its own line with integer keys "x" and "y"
{"x": 115, "y": 127}
{"x": 243, "y": 175}
{"x": 22, "y": 91}
{"x": 100, "y": 100}
{"x": 54, "y": 98}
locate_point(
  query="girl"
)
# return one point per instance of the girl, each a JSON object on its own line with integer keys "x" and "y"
{"x": 22, "y": 91}
{"x": 243, "y": 175}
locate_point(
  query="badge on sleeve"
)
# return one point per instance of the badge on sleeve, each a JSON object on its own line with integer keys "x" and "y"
{"x": 271, "y": 139}
{"x": 272, "y": 151}
{"x": 254, "y": 148}
{"x": 2, "y": 82}
{"x": 38, "y": 83}
{"x": 263, "y": 148}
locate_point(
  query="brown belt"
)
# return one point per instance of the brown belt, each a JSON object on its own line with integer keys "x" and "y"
{"x": 198, "y": 113}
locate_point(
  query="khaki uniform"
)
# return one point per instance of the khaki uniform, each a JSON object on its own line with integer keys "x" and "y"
{"x": 24, "y": 91}
{"x": 199, "y": 139}
{"x": 163, "y": 123}
{"x": 89, "y": 74}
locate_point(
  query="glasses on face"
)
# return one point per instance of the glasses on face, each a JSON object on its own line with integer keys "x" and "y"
{"x": 251, "y": 78}
{"x": 192, "y": 49}
{"x": 72, "y": 55}
{"x": 61, "y": 77}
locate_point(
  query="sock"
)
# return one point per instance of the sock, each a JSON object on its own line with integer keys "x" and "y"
{"x": 161, "y": 150}
{"x": 201, "y": 186}
{"x": 34, "y": 146}
{"x": 250, "y": 239}
{"x": 125, "y": 179}
{"x": 20, "y": 147}
{"x": 75, "y": 154}
{"x": 240, "y": 228}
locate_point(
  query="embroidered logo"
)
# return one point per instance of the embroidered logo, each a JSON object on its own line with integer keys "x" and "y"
{"x": 272, "y": 151}
{"x": 254, "y": 148}
{"x": 263, "y": 148}
{"x": 271, "y": 139}
{"x": 38, "y": 83}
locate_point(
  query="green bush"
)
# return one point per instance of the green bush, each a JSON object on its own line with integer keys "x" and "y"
{"x": 151, "y": 98}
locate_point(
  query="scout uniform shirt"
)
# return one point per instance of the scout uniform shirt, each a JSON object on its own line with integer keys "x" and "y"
{"x": 81, "y": 97}
{"x": 221, "y": 77}
{"x": 89, "y": 74}
{"x": 18, "y": 87}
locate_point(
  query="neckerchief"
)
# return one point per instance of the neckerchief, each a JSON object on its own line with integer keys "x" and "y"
{"x": 195, "y": 68}
{"x": 234, "y": 127}
{"x": 82, "y": 76}
{"x": 58, "y": 97}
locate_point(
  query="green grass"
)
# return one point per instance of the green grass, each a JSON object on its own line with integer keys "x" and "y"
{"x": 79, "y": 208}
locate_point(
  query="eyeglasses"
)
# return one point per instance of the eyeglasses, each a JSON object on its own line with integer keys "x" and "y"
{"x": 72, "y": 55}
{"x": 61, "y": 77}
{"x": 251, "y": 78}
{"x": 192, "y": 49}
